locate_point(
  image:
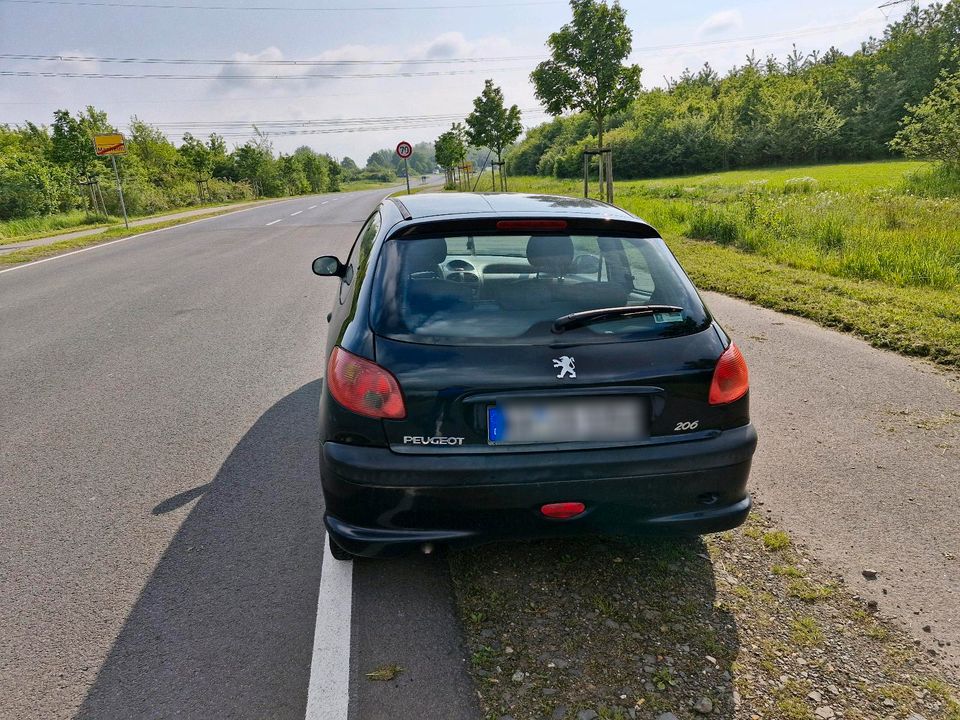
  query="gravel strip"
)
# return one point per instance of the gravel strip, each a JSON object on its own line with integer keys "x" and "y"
{"x": 743, "y": 624}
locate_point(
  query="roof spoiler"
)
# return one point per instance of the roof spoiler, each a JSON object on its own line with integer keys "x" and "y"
{"x": 487, "y": 225}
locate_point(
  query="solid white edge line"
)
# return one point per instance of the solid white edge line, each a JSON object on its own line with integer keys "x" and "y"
{"x": 296, "y": 213}
{"x": 130, "y": 237}
{"x": 328, "y": 694}
{"x": 273, "y": 223}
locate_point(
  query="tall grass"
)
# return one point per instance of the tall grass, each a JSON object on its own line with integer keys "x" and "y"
{"x": 13, "y": 230}
{"x": 939, "y": 181}
{"x": 861, "y": 221}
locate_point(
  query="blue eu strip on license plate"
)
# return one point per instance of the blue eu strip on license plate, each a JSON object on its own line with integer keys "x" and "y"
{"x": 496, "y": 424}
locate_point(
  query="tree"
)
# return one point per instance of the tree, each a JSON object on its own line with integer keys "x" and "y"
{"x": 349, "y": 167}
{"x": 72, "y": 141}
{"x": 932, "y": 129}
{"x": 492, "y": 124}
{"x": 151, "y": 156}
{"x": 586, "y": 71}
{"x": 200, "y": 159}
{"x": 316, "y": 168}
{"x": 72, "y": 145}
{"x": 221, "y": 164}
{"x": 449, "y": 151}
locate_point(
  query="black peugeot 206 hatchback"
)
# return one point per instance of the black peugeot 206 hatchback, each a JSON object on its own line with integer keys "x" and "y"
{"x": 504, "y": 366}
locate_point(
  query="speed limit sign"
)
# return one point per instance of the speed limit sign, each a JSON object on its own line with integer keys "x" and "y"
{"x": 405, "y": 150}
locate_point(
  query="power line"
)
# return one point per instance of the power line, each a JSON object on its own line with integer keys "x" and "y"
{"x": 324, "y": 63}
{"x": 225, "y": 99}
{"x": 319, "y": 122}
{"x": 786, "y": 35}
{"x": 262, "y": 62}
{"x": 302, "y": 76}
{"x": 279, "y": 8}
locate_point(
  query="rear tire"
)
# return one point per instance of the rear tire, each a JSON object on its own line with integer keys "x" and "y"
{"x": 338, "y": 552}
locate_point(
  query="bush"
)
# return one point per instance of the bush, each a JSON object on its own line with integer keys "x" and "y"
{"x": 141, "y": 198}
{"x": 228, "y": 191}
{"x": 801, "y": 185}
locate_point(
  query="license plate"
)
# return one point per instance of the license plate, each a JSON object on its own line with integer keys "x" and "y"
{"x": 567, "y": 420}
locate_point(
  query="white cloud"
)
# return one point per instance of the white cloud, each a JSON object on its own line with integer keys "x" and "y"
{"x": 721, "y": 22}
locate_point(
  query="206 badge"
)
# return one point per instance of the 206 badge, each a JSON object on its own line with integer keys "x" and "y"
{"x": 567, "y": 365}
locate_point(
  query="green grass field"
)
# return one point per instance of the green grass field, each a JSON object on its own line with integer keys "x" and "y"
{"x": 853, "y": 246}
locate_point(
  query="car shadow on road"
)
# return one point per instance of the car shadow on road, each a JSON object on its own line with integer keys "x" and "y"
{"x": 224, "y": 626}
{"x": 623, "y": 628}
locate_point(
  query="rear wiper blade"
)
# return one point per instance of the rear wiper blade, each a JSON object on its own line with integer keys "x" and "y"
{"x": 589, "y": 317}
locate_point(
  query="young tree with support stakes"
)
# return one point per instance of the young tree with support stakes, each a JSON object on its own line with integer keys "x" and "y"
{"x": 200, "y": 159}
{"x": 586, "y": 70}
{"x": 493, "y": 125}
{"x": 451, "y": 149}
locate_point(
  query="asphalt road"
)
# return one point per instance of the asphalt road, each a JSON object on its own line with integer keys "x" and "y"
{"x": 160, "y": 539}
{"x": 160, "y": 534}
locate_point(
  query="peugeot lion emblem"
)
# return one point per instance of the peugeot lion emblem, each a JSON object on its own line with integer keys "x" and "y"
{"x": 567, "y": 365}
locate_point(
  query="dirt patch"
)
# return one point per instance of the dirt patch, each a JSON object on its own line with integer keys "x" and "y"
{"x": 738, "y": 625}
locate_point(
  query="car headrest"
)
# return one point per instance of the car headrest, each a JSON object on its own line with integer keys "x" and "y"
{"x": 425, "y": 254}
{"x": 550, "y": 254}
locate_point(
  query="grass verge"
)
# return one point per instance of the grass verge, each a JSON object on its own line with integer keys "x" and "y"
{"x": 14, "y": 231}
{"x": 849, "y": 246}
{"x": 617, "y": 629}
{"x": 354, "y": 185}
{"x": 64, "y": 223}
{"x": 39, "y": 252}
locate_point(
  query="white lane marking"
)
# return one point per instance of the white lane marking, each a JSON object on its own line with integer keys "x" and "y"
{"x": 328, "y": 695}
{"x": 311, "y": 207}
{"x": 296, "y": 213}
{"x": 324, "y": 202}
{"x": 130, "y": 237}
{"x": 274, "y": 222}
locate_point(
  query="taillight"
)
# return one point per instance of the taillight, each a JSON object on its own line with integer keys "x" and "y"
{"x": 364, "y": 387}
{"x": 730, "y": 378}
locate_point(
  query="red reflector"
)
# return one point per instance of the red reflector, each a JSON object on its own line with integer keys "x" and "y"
{"x": 531, "y": 225}
{"x": 363, "y": 386}
{"x": 730, "y": 378}
{"x": 563, "y": 511}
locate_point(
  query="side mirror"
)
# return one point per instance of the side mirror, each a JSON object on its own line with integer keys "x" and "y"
{"x": 586, "y": 265}
{"x": 329, "y": 266}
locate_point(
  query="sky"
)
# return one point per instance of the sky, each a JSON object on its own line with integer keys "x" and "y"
{"x": 416, "y": 65}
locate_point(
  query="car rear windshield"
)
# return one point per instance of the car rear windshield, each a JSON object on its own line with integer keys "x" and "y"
{"x": 511, "y": 289}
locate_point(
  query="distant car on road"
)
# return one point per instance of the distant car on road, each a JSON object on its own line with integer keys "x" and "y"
{"x": 505, "y": 366}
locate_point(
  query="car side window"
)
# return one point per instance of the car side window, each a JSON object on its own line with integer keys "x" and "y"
{"x": 359, "y": 253}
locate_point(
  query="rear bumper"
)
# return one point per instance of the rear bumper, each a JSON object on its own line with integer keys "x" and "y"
{"x": 381, "y": 503}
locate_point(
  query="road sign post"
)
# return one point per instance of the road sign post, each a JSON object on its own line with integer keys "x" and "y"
{"x": 123, "y": 205}
{"x": 113, "y": 145}
{"x": 405, "y": 150}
